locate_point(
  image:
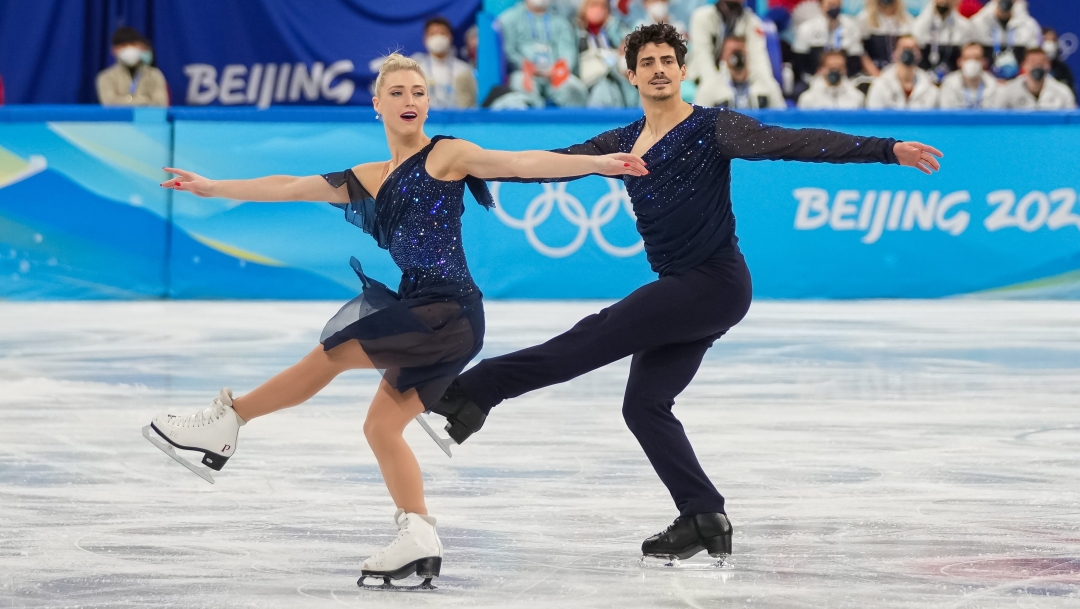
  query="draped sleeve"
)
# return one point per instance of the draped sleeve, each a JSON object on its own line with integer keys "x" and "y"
{"x": 742, "y": 137}
{"x": 360, "y": 210}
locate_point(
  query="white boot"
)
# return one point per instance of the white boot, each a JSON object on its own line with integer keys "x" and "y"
{"x": 211, "y": 431}
{"x": 417, "y": 549}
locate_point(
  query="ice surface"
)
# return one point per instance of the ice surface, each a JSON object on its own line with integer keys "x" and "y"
{"x": 875, "y": 454}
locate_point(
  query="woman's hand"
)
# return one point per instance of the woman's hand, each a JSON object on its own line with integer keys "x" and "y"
{"x": 620, "y": 164}
{"x": 188, "y": 182}
{"x": 919, "y": 156}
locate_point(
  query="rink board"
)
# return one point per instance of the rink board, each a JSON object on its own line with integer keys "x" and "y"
{"x": 81, "y": 215}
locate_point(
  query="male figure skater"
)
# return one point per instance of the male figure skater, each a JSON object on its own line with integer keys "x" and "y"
{"x": 683, "y": 209}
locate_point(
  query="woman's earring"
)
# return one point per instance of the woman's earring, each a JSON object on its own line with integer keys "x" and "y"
{"x": 377, "y": 117}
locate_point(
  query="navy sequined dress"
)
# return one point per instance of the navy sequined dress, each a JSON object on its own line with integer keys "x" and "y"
{"x": 424, "y": 334}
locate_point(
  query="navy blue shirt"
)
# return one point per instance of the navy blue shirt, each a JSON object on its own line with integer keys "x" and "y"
{"x": 683, "y": 206}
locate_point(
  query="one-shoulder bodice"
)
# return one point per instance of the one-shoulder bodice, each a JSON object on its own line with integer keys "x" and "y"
{"x": 418, "y": 219}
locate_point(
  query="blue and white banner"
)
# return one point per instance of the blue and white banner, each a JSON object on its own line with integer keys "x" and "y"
{"x": 81, "y": 214}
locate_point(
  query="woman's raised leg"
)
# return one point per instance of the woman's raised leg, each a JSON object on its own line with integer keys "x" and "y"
{"x": 299, "y": 382}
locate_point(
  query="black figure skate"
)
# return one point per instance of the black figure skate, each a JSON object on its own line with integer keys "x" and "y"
{"x": 463, "y": 417}
{"x": 688, "y": 536}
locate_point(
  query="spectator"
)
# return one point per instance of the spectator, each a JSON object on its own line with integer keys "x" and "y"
{"x": 902, "y": 85}
{"x": 831, "y": 31}
{"x": 132, "y": 80}
{"x": 451, "y": 83}
{"x": 972, "y": 87}
{"x": 941, "y": 32}
{"x": 659, "y": 11}
{"x": 601, "y": 61}
{"x": 471, "y": 52}
{"x": 542, "y": 51}
{"x": 1035, "y": 88}
{"x": 735, "y": 86}
{"x": 830, "y": 89}
{"x": 1006, "y": 31}
{"x": 710, "y": 25}
{"x": 881, "y": 23}
{"x": 1058, "y": 68}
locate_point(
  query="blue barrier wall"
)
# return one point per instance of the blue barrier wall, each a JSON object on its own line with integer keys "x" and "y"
{"x": 81, "y": 215}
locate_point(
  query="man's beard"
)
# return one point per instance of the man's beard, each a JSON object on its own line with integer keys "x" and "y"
{"x": 661, "y": 96}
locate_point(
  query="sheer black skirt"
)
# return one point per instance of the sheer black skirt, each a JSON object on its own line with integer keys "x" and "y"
{"x": 420, "y": 337}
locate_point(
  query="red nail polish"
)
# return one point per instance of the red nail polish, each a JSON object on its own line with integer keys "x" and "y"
{"x": 626, "y": 164}
{"x": 177, "y": 183}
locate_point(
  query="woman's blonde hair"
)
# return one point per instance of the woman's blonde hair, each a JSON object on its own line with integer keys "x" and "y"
{"x": 873, "y": 10}
{"x": 396, "y": 62}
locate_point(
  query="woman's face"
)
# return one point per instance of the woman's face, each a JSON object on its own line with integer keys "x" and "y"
{"x": 403, "y": 102}
{"x": 596, "y": 11}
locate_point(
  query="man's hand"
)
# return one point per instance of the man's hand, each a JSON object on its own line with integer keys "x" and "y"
{"x": 919, "y": 156}
{"x": 620, "y": 164}
{"x": 189, "y": 182}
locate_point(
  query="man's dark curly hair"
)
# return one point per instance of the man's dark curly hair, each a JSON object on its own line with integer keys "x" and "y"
{"x": 656, "y": 33}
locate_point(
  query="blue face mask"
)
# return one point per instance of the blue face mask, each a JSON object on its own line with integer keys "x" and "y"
{"x": 147, "y": 57}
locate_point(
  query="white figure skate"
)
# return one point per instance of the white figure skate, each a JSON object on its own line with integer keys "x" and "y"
{"x": 417, "y": 549}
{"x": 211, "y": 431}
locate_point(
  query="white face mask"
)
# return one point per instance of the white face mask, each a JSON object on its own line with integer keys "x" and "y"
{"x": 1051, "y": 48}
{"x": 437, "y": 44}
{"x": 658, "y": 11}
{"x": 539, "y": 5}
{"x": 972, "y": 68}
{"x": 129, "y": 56}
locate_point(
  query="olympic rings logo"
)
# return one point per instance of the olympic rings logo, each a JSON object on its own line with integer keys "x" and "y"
{"x": 555, "y": 196}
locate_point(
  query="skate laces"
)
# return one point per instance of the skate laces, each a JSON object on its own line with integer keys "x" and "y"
{"x": 206, "y": 416}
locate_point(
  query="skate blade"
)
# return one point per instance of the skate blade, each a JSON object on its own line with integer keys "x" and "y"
{"x": 163, "y": 445}
{"x": 444, "y": 443}
{"x": 387, "y": 586}
{"x": 661, "y": 562}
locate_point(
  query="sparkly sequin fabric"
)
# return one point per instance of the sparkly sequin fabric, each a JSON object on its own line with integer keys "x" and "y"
{"x": 683, "y": 206}
{"x": 422, "y": 335}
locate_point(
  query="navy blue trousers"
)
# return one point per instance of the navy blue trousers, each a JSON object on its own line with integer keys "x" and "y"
{"x": 667, "y": 326}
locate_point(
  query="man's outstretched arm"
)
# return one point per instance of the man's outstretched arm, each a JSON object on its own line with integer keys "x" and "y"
{"x": 742, "y": 137}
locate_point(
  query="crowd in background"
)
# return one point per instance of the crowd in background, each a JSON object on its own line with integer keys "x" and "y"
{"x": 842, "y": 54}
{"x": 810, "y": 54}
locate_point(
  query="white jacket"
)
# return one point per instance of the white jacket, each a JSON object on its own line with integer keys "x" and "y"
{"x": 706, "y": 35}
{"x": 957, "y": 97}
{"x": 717, "y": 90}
{"x": 820, "y": 96}
{"x": 1022, "y": 31}
{"x": 886, "y": 92}
{"x": 1054, "y": 96}
{"x": 929, "y": 27}
{"x": 815, "y": 34}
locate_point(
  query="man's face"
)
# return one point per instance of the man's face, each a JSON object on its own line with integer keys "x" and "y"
{"x": 834, "y": 63}
{"x": 657, "y": 75}
{"x": 829, "y": 4}
{"x": 906, "y": 44}
{"x": 972, "y": 52}
{"x": 731, "y": 49}
{"x": 1036, "y": 60}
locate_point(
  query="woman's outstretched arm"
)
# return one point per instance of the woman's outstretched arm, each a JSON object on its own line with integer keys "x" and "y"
{"x": 268, "y": 189}
{"x": 455, "y": 159}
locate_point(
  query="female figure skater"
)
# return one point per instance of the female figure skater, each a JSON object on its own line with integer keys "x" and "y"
{"x": 423, "y": 335}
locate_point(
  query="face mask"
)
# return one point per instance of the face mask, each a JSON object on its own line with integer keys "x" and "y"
{"x": 540, "y": 5}
{"x": 971, "y": 68}
{"x": 1038, "y": 74}
{"x": 907, "y": 57}
{"x": 885, "y": 2}
{"x": 147, "y": 57}
{"x": 943, "y": 9}
{"x": 735, "y": 7}
{"x": 129, "y": 56}
{"x": 1005, "y": 5}
{"x": 596, "y": 15}
{"x": 437, "y": 44}
{"x": 833, "y": 77}
{"x": 833, "y": 13}
{"x": 737, "y": 61}
{"x": 658, "y": 11}
{"x": 1051, "y": 48}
